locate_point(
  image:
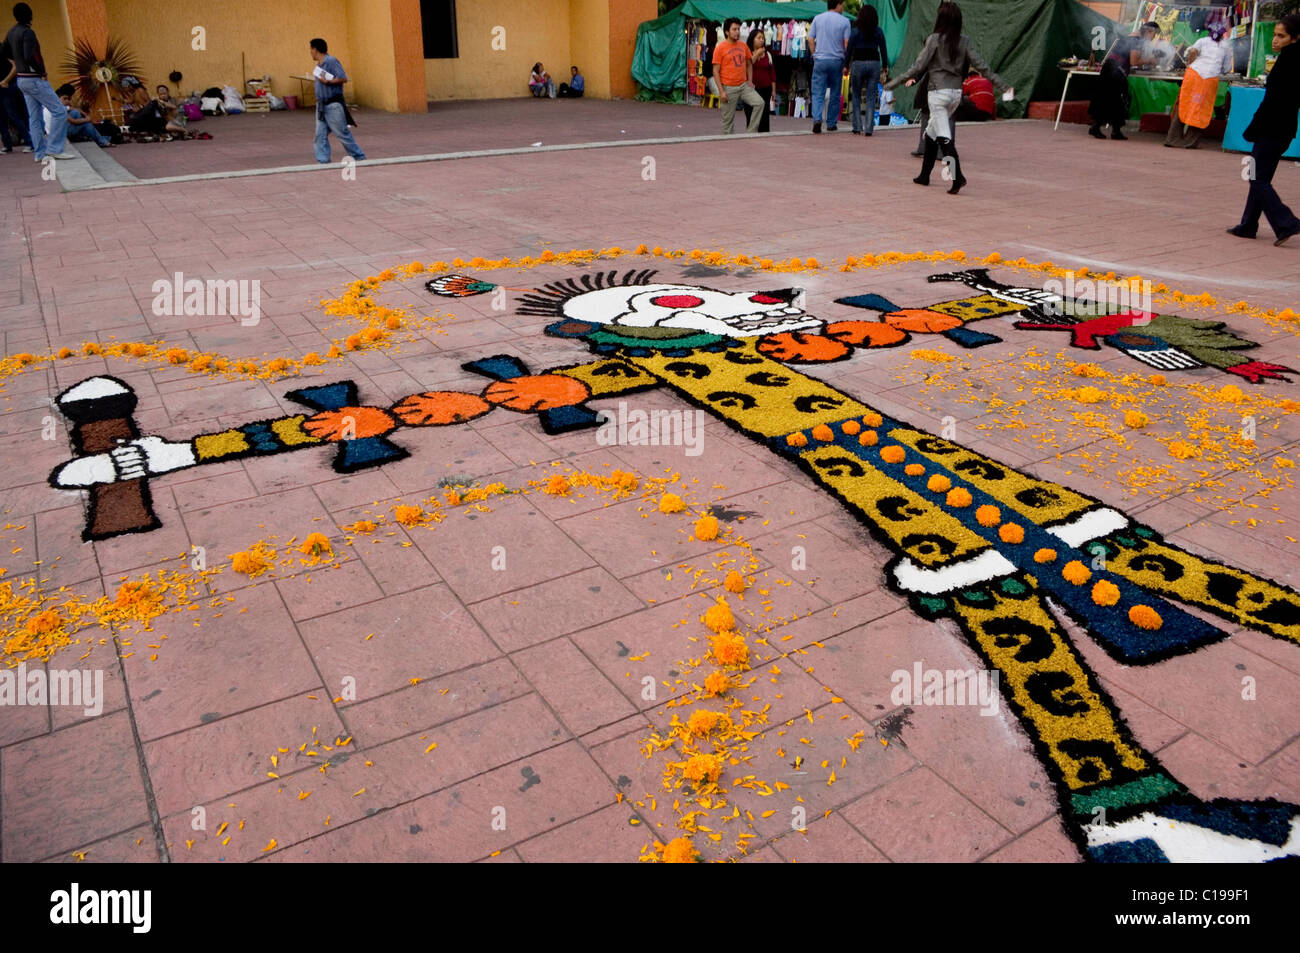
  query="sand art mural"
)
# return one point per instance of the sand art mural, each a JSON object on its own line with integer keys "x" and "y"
{"x": 1002, "y": 554}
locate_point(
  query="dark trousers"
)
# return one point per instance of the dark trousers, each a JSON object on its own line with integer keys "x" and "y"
{"x": 568, "y": 92}
{"x": 13, "y": 110}
{"x": 1263, "y": 198}
{"x": 1111, "y": 100}
{"x": 766, "y": 93}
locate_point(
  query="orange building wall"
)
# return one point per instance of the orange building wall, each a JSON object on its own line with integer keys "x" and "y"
{"x": 624, "y": 17}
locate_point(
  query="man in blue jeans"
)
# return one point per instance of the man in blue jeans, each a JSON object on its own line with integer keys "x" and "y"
{"x": 828, "y": 38}
{"x": 331, "y": 111}
{"x": 29, "y": 66}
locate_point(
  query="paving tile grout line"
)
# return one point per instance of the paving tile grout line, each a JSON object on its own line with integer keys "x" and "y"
{"x": 470, "y": 154}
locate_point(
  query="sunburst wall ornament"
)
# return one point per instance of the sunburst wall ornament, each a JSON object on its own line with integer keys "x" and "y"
{"x": 94, "y": 75}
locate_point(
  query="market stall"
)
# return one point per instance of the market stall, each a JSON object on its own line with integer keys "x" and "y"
{"x": 673, "y": 52}
{"x": 1181, "y": 24}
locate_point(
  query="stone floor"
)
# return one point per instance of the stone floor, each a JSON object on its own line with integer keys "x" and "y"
{"x": 529, "y": 680}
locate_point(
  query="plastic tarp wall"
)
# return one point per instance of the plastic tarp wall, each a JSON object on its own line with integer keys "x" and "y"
{"x": 1022, "y": 40}
{"x": 659, "y": 63}
{"x": 893, "y": 23}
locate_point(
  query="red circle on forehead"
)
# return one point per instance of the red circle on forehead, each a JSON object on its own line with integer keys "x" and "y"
{"x": 677, "y": 301}
{"x": 764, "y": 299}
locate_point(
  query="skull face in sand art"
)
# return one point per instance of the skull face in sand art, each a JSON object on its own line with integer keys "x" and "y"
{"x": 691, "y": 308}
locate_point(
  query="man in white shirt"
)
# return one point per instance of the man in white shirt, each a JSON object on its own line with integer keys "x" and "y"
{"x": 1206, "y": 59}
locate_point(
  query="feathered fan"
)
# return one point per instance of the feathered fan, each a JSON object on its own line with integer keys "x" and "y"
{"x": 93, "y": 74}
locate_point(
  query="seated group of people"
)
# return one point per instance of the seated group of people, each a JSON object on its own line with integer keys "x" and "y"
{"x": 541, "y": 85}
{"x": 161, "y": 116}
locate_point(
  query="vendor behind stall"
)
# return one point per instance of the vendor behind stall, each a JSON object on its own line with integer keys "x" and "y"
{"x": 1206, "y": 59}
{"x": 1110, "y": 102}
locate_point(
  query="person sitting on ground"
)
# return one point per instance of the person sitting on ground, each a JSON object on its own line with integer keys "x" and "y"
{"x": 977, "y": 100}
{"x": 80, "y": 127}
{"x": 540, "y": 82}
{"x": 175, "y": 120}
{"x": 575, "y": 87}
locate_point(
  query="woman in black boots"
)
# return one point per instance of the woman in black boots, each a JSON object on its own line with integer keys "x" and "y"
{"x": 947, "y": 58}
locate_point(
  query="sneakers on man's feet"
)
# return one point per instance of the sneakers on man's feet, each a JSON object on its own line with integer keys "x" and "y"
{"x": 63, "y": 155}
{"x": 1287, "y": 236}
{"x": 27, "y": 149}
{"x": 817, "y": 129}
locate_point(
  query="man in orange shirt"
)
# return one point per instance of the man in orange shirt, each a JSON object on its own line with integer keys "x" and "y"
{"x": 733, "y": 65}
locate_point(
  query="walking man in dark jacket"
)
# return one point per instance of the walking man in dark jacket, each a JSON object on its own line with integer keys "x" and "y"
{"x": 1271, "y": 131}
{"x": 29, "y": 66}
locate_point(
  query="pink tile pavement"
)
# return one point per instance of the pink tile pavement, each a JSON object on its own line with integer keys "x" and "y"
{"x": 529, "y": 679}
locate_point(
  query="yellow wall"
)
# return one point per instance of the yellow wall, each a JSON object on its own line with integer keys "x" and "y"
{"x": 370, "y": 43}
{"x": 535, "y": 30}
{"x": 589, "y": 45}
{"x": 50, "y": 21}
{"x": 273, "y": 37}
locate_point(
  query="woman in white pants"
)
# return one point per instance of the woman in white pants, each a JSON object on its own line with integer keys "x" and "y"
{"x": 947, "y": 58}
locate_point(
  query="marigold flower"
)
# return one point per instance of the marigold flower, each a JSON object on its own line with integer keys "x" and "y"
{"x": 409, "y": 515}
{"x": 316, "y": 544}
{"x": 1180, "y": 450}
{"x": 872, "y": 419}
{"x": 1157, "y": 379}
{"x": 706, "y": 528}
{"x": 851, "y": 427}
{"x": 823, "y": 433}
{"x": 371, "y": 335}
{"x": 703, "y": 767}
{"x": 796, "y": 440}
{"x": 1011, "y": 533}
{"x": 1230, "y": 394}
{"x": 671, "y": 503}
{"x": 1144, "y": 617}
{"x": 988, "y": 515}
{"x": 43, "y": 624}
{"x": 914, "y": 469}
{"x": 1105, "y": 593}
{"x": 1045, "y": 556}
{"x": 90, "y": 347}
{"x": 1076, "y": 572}
{"x": 361, "y": 526}
{"x": 1136, "y": 419}
{"x": 251, "y": 562}
{"x": 312, "y": 358}
{"x": 65, "y": 352}
{"x": 718, "y": 683}
{"x": 734, "y": 582}
{"x": 718, "y": 617}
{"x": 869, "y": 438}
{"x": 958, "y": 496}
{"x": 893, "y": 454}
{"x": 938, "y": 483}
{"x": 704, "y": 722}
{"x": 1089, "y": 395}
{"x": 730, "y": 649}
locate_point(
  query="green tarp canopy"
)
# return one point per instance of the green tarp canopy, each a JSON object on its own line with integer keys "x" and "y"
{"x": 1022, "y": 40}
{"x": 659, "y": 63}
